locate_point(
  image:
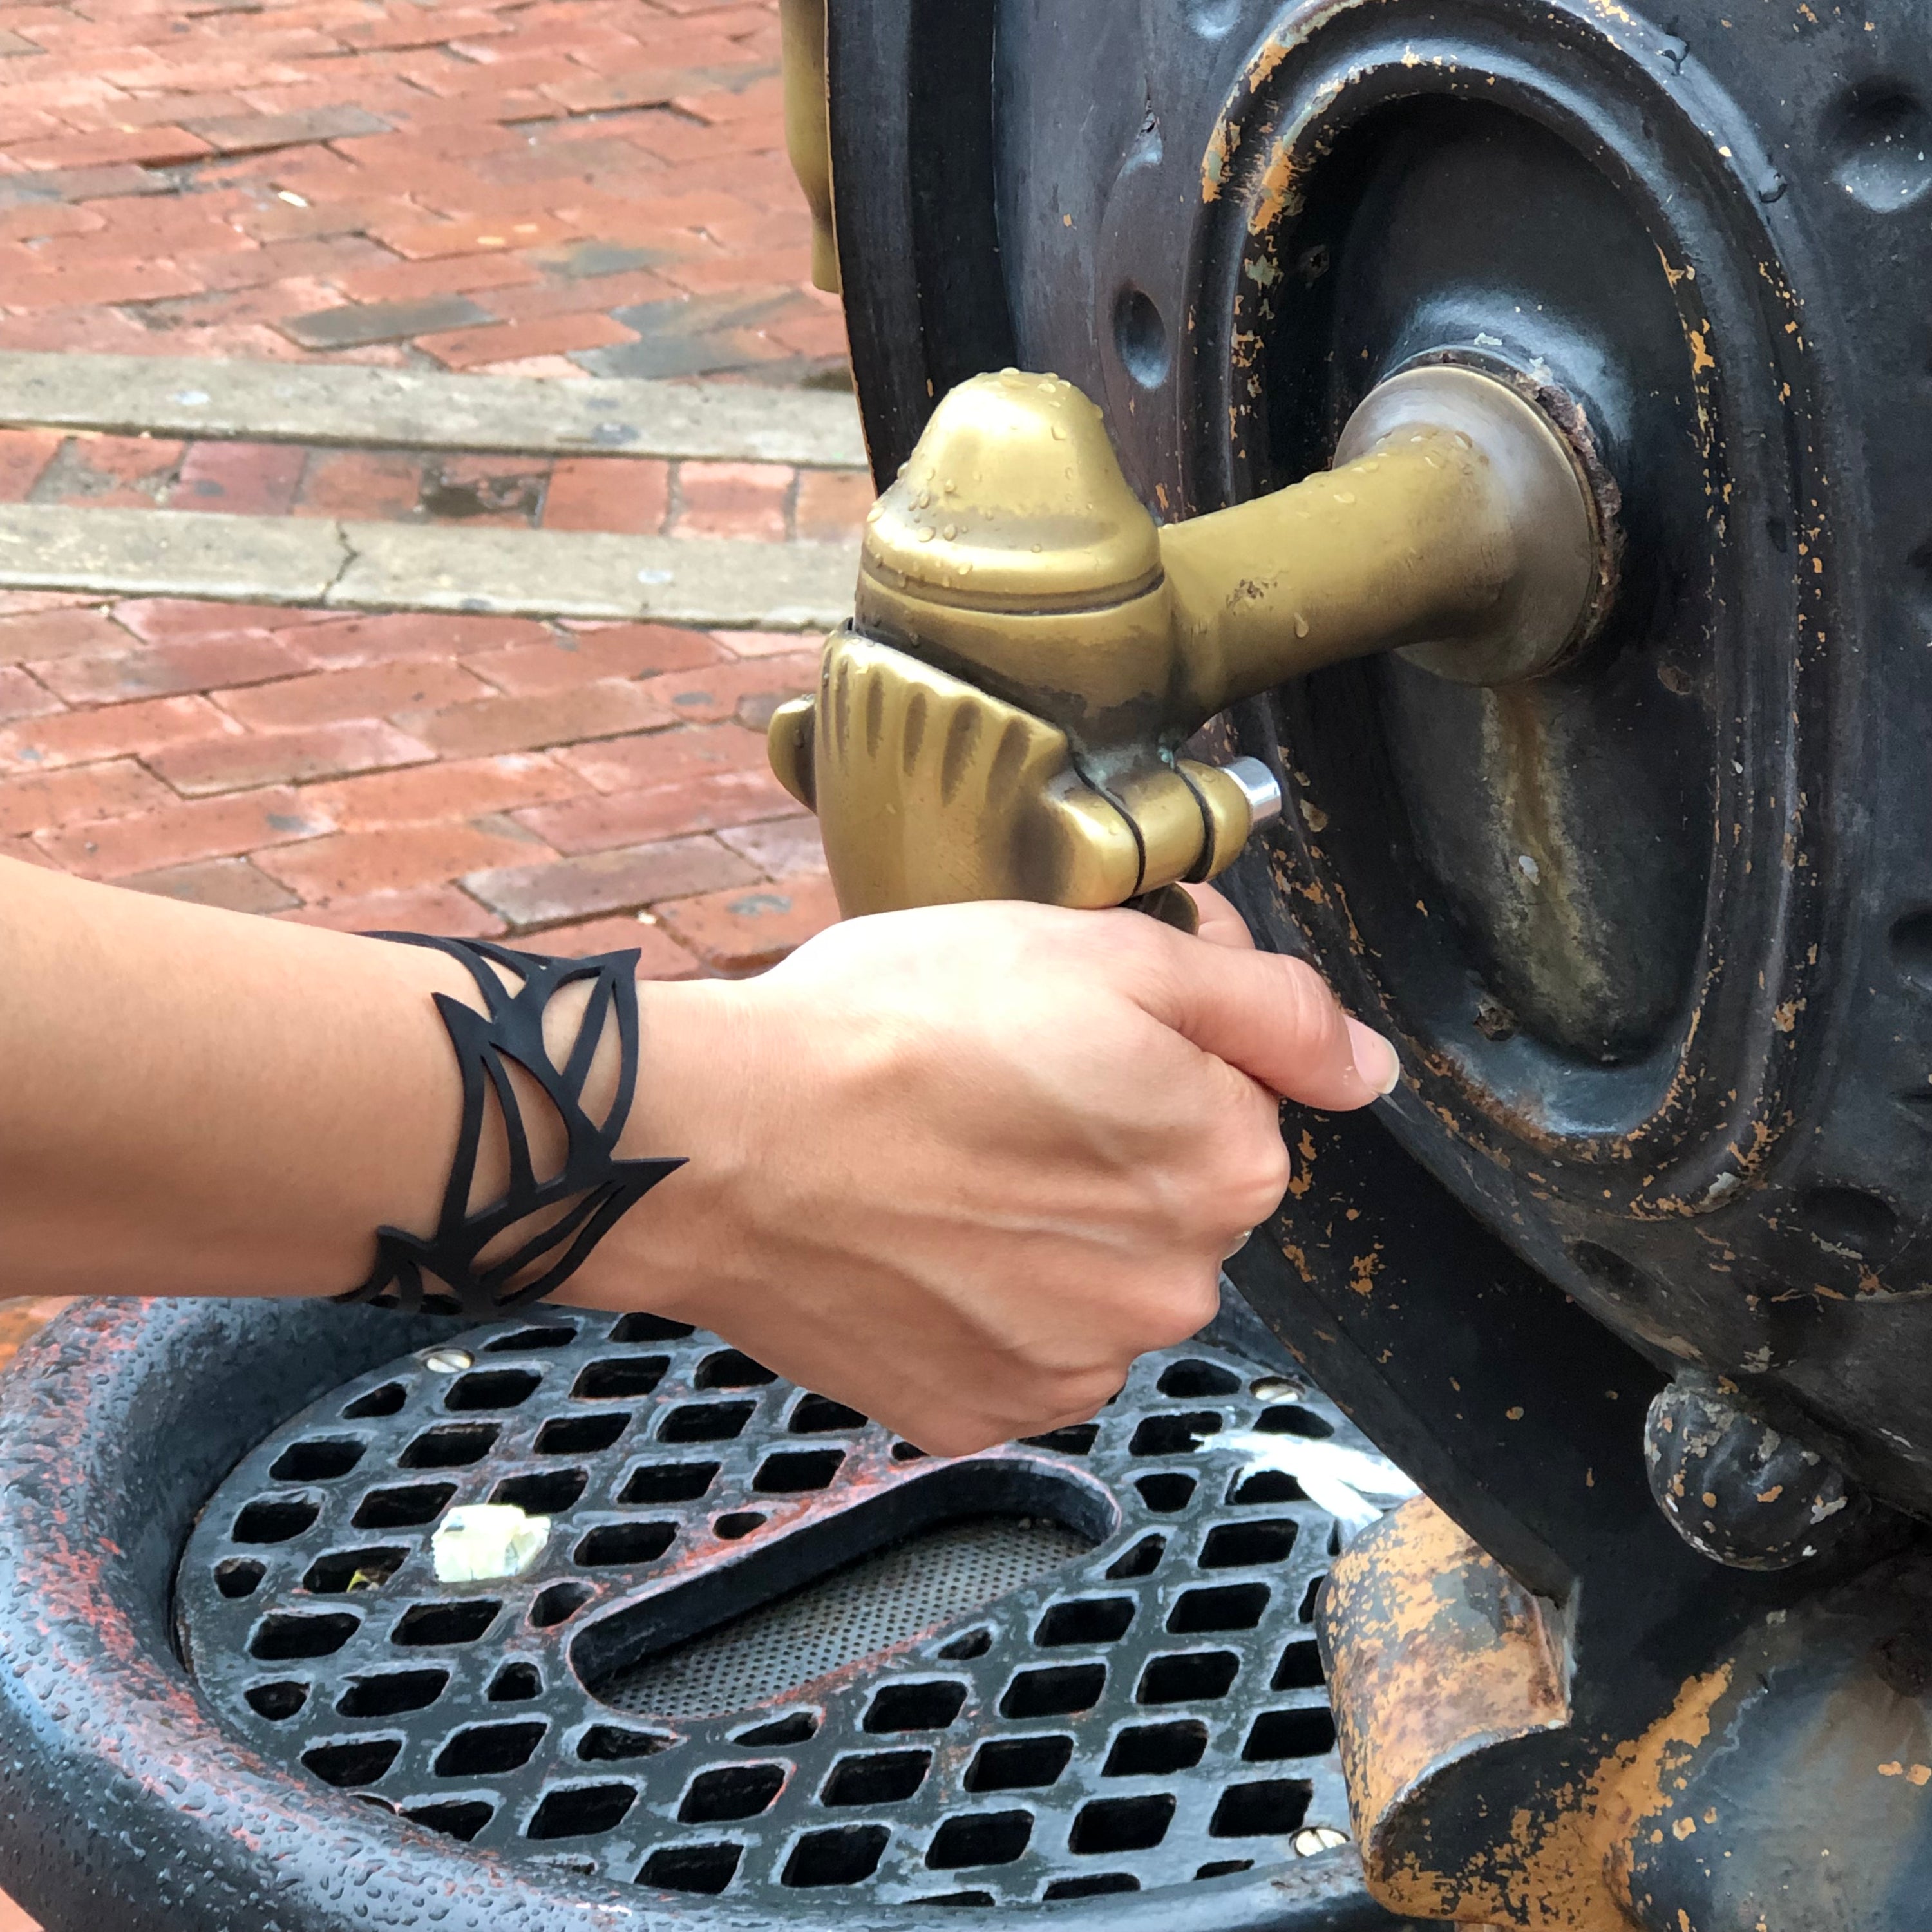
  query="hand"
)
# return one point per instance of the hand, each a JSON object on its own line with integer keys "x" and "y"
{"x": 958, "y": 1167}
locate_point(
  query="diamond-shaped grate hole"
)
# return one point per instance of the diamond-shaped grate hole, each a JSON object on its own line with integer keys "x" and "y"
{"x": 1142, "y": 1559}
{"x": 1300, "y": 1668}
{"x": 1234, "y": 1606}
{"x": 1055, "y": 1692}
{"x": 460, "y": 1622}
{"x": 1019, "y": 1764}
{"x": 405, "y": 1508}
{"x": 729, "y": 1369}
{"x": 342, "y": 1570}
{"x": 846, "y": 1855}
{"x": 620, "y": 1377}
{"x": 451, "y": 1445}
{"x": 1168, "y": 1493}
{"x": 980, "y": 1838}
{"x": 668, "y": 1482}
{"x": 1269, "y": 1808}
{"x": 515, "y": 1684}
{"x": 793, "y": 1729}
{"x": 581, "y": 1435}
{"x": 487, "y": 1750}
{"x": 456, "y": 1818}
{"x": 386, "y": 1400}
{"x": 705, "y": 1422}
{"x": 1191, "y": 1676}
{"x": 1157, "y": 1751}
{"x": 1107, "y": 1826}
{"x": 1085, "y": 1620}
{"x": 618, "y": 1743}
{"x": 617, "y": 1543}
{"x": 353, "y": 1761}
{"x": 275, "y": 1518}
{"x": 1077, "y": 1439}
{"x": 642, "y": 1328}
{"x": 915, "y": 1707}
{"x": 1191, "y": 1379}
{"x": 548, "y": 1493}
{"x": 319, "y": 1461}
{"x": 559, "y": 1603}
{"x": 1100, "y": 1883}
{"x": 550, "y": 1336}
{"x": 581, "y": 1811}
{"x": 730, "y": 1792}
{"x": 1292, "y": 1419}
{"x": 493, "y": 1388}
{"x": 879, "y": 1777}
{"x": 1245, "y": 1546}
{"x": 276, "y": 1701}
{"x": 793, "y": 1471}
{"x": 1265, "y": 1486}
{"x": 394, "y": 1691}
{"x": 707, "y": 1869}
{"x": 820, "y": 1415}
{"x": 1178, "y": 1434}
{"x": 239, "y": 1576}
{"x": 286, "y": 1634}
{"x": 1309, "y": 1731}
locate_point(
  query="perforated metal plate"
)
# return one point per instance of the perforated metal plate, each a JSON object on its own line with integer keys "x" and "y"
{"x": 770, "y": 1651}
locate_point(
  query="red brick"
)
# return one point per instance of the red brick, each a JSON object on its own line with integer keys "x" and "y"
{"x": 629, "y": 494}
{"x": 24, "y": 454}
{"x": 372, "y": 690}
{"x": 818, "y": 334}
{"x": 667, "y": 758}
{"x": 586, "y": 656}
{"x": 476, "y": 234}
{"x": 660, "y": 957}
{"x": 716, "y": 692}
{"x": 441, "y": 274}
{"x": 379, "y": 484}
{"x": 733, "y": 499}
{"x": 744, "y": 931}
{"x": 832, "y": 503}
{"x": 131, "y": 280}
{"x": 624, "y": 880}
{"x": 35, "y": 636}
{"x": 351, "y": 865}
{"x": 701, "y": 803}
{"x": 759, "y": 643}
{"x": 440, "y": 908}
{"x": 231, "y": 883}
{"x": 162, "y": 620}
{"x": 780, "y": 847}
{"x": 590, "y": 291}
{"x": 527, "y": 724}
{"x": 287, "y": 757}
{"x": 121, "y": 731}
{"x": 76, "y": 794}
{"x": 464, "y": 788}
{"x": 159, "y": 670}
{"x": 412, "y": 633}
{"x": 171, "y": 835}
{"x": 149, "y": 147}
{"x": 23, "y": 696}
{"x": 764, "y": 102}
{"x": 503, "y": 342}
{"x": 255, "y": 479}
{"x": 109, "y": 470}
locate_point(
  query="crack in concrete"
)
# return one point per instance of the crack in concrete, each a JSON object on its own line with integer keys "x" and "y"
{"x": 351, "y": 557}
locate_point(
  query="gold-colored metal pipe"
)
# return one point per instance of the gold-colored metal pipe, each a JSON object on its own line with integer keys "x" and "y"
{"x": 1030, "y": 650}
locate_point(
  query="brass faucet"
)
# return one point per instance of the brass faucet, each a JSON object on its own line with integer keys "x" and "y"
{"x": 1029, "y": 651}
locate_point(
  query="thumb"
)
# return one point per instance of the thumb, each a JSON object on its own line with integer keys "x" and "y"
{"x": 1273, "y": 1018}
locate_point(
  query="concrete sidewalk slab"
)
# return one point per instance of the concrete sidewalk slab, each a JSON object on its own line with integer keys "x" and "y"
{"x": 730, "y": 583}
{"x": 411, "y": 409}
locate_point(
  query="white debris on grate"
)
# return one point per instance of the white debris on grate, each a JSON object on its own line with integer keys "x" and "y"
{"x": 868, "y": 1606}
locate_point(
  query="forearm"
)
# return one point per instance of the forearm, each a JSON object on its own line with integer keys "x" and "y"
{"x": 198, "y": 1102}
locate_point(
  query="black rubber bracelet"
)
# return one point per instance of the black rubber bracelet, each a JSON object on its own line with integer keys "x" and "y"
{"x": 593, "y": 1188}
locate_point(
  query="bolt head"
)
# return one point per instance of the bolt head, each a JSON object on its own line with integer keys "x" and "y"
{"x": 1313, "y": 1838}
{"x": 448, "y": 1361}
{"x": 1274, "y": 1388}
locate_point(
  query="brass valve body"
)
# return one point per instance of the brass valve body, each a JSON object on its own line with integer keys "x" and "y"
{"x": 1030, "y": 650}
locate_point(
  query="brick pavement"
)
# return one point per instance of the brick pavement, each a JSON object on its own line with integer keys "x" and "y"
{"x": 539, "y": 186}
{"x": 519, "y": 187}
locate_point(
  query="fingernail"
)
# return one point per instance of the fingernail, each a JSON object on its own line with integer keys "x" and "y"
{"x": 1376, "y": 1059}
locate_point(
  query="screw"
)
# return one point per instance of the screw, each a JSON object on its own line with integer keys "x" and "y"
{"x": 1274, "y": 1388}
{"x": 448, "y": 1361}
{"x": 1313, "y": 1838}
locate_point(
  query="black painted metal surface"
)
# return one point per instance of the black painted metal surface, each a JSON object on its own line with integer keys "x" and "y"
{"x": 1655, "y": 930}
{"x": 127, "y": 1799}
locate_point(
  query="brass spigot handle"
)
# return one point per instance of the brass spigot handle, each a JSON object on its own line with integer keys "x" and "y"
{"x": 1030, "y": 652}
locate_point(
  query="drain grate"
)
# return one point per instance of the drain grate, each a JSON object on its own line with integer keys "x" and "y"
{"x": 770, "y": 1650}
{"x": 872, "y": 1606}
